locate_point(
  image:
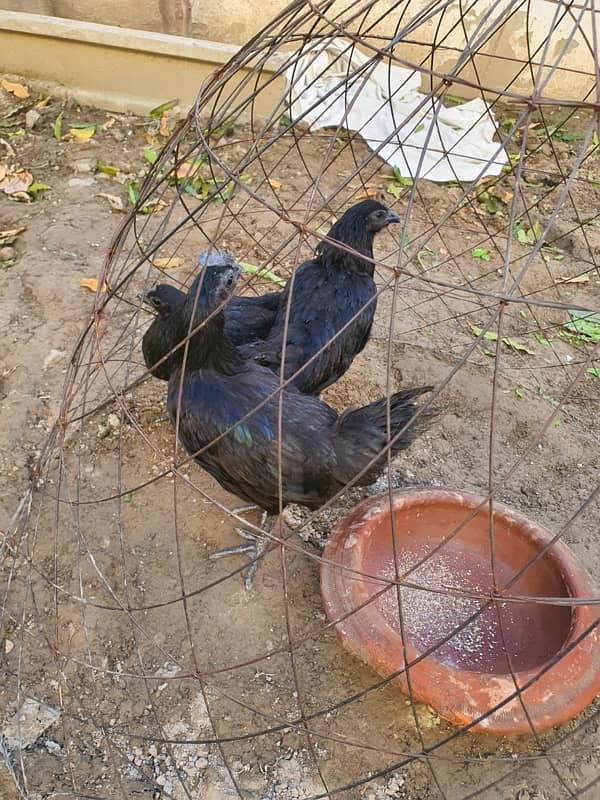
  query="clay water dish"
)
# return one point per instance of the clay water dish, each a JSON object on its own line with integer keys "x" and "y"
{"x": 466, "y": 672}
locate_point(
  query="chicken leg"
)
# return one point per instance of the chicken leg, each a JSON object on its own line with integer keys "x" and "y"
{"x": 255, "y": 547}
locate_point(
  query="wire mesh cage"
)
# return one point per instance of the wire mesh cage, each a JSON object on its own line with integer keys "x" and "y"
{"x": 144, "y": 668}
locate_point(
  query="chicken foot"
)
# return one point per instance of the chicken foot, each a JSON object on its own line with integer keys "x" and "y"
{"x": 255, "y": 547}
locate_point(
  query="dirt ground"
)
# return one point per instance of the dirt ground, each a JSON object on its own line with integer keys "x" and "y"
{"x": 113, "y": 613}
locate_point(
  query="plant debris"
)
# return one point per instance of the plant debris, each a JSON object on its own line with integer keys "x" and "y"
{"x": 575, "y": 279}
{"x": 584, "y": 325}
{"x": 114, "y": 201}
{"x": 396, "y": 183}
{"x": 489, "y": 336}
{"x": 17, "y": 89}
{"x": 57, "y": 127}
{"x": 481, "y": 252}
{"x": 527, "y": 236}
{"x": 82, "y": 134}
{"x": 263, "y": 272}
{"x": 107, "y": 169}
{"x": 92, "y": 285}
{"x": 170, "y": 262}
{"x": 8, "y": 254}
{"x": 518, "y": 346}
{"x": 492, "y": 336}
{"x": 161, "y": 110}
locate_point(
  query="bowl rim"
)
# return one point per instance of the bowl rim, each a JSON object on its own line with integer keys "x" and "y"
{"x": 549, "y": 696}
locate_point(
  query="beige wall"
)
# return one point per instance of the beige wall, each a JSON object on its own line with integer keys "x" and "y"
{"x": 497, "y": 64}
{"x": 197, "y": 18}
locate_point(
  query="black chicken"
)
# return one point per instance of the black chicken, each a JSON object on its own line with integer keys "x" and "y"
{"x": 321, "y": 450}
{"x": 246, "y": 318}
{"x": 164, "y": 299}
{"x": 325, "y": 293}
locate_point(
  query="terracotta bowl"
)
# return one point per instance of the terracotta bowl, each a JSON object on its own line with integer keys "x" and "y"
{"x": 464, "y": 673}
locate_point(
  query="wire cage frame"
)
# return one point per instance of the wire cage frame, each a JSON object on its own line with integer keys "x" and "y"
{"x": 155, "y": 672}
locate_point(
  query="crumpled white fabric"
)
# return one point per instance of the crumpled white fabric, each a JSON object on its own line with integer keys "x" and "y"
{"x": 384, "y": 104}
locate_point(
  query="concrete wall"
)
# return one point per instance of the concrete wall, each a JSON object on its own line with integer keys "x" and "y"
{"x": 500, "y": 62}
{"x": 197, "y": 18}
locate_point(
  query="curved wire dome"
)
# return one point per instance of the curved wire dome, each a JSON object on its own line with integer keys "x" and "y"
{"x": 165, "y": 677}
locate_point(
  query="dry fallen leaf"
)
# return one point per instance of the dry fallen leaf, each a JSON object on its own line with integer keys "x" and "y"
{"x": 92, "y": 285}
{"x": 2, "y": 172}
{"x": 171, "y": 262}
{"x": 275, "y": 183}
{"x": 369, "y": 191}
{"x": 17, "y": 89}
{"x": 82, "y": 134}
{"x": 17, "y": 182}
{"x": 576, "y": 279}
{"x": 12, "y": 232}
{"x": 187, "y": 170}
{"x": 150, "y": 139}
{"x": 164, "y": 126}
{"x": 114, "y": 202}
{"x": 151, "y": 207}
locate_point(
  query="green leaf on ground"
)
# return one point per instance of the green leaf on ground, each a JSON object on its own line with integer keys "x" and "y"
{"x": 37, "y": 188}
{"x": 57, "y": 127}
{"x": 481, "y": 252}
{"x": 262, "y": 272}
{"x": 584, "y": 324}
{"x": 518, "y": 346}
{"x": 107, "y": 169}
{"x": 489, "y": 336}
{"x": 157, "y": 112}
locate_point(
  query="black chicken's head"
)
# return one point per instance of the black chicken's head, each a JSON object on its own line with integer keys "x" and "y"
{"x": 362, "y": 221}
{"x": 373, "y": 214}
{"x": 163, "y": 298}
{"x": 356, "y": 228}
{"x": 213, "y": 285}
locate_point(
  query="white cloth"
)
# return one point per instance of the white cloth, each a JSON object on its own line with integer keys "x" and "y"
{"x": 384, "y": 104}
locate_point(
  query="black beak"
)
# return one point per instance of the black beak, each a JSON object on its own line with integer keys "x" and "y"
{"x": 391, "y": 217}
{"x": 143, "y": 298}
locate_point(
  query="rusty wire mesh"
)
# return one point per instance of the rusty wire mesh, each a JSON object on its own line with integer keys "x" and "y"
{"x": 169, "y": 679}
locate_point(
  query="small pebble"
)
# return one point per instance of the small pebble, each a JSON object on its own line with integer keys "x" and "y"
{"x": 31, "y": 117}
{"x": 81, "y": 182}
{"x": 7, "y": 253}
{"x": 85, "y": 165}
{"x": 52, "y": 747}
